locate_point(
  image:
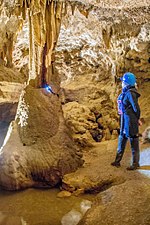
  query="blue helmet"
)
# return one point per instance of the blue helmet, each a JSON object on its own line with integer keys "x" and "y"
{"x": 129, "y": 78}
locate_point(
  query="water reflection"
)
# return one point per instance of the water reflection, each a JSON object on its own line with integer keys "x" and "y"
{"x": 145, "y": 162}
{"x": 39, "y": 207}
{"x": 74, "y": 216}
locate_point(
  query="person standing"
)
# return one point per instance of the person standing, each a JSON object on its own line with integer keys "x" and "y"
{"x": 129, "y": 110}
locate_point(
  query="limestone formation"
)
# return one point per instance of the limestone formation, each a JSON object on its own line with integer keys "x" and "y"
{"x": 89, "y": 65}
{"x": 8, "y": 35}
{"x": 92, "y": 53}
{"x": 106, "y": 208}
{"x": 24, "y": 133}
{"x": 21, "y": 51}
{"x": 38, "y": 148}
{"x": 81, "y": 120}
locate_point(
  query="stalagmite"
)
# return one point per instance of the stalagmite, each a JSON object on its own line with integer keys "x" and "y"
{"x": 39, "y": 149}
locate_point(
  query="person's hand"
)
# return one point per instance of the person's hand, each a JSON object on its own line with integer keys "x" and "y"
{"x": 140, "y": 122}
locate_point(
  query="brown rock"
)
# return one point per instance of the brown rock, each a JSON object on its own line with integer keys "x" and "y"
{"x": 114, "y": 134}
{"x": 107, "y": 207}
{"x": 107, "y": 134}
{"x": 41, "y": 139}
{"x": 63, "y": 194}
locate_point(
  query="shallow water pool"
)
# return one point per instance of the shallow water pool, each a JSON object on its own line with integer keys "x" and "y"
{"x": 39, "y": 207}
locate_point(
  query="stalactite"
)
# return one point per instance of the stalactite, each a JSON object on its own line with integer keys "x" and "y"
{"x": 17, "y": 11}
{"x": 28, "y": 4}
{"x": 58, "y": 17}
{"x": 22, "y": 3}
{"x": 65, "y": 7}
{"x": 24, "y": 11}
{"x": 34, "y": 54}
{"x": 73, "y": 8}
{"x": 49, "y": 26}
{"x": 44, "y": 21}
{"x": 37, "y": 28}
{"x": 30, "y": 41}
{"x": 9, "y": 49}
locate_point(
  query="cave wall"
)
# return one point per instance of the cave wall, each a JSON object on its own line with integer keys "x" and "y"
{"x": 9, "y": 27}
{"x": 94, "y": 48}
{"x": 91, "y": 54}
{"x": 38, "y": 149}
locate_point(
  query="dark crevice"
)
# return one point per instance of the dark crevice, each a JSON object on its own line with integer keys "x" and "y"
{"x": 99, "y": 188}
{"x": 146, "y": 79}
{"x": 7, "y": 114}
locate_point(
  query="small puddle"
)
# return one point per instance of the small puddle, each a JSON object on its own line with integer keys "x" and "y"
{"x": 43, "y": 207}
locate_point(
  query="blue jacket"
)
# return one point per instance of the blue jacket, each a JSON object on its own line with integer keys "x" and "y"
{"x": 130, "y": 112}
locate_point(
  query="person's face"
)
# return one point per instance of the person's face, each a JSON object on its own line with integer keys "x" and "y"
{"x": 124, "y": 85}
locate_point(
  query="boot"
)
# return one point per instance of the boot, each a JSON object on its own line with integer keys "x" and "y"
{"x": 135, "y": 153}
{"x": 116, "y": 164}
{"x": 134, "y": 166}
{"x": 118, "y": 158}
{"x": 120, "y": 151}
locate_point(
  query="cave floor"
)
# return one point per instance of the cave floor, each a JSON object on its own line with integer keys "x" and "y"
{"x": 97, "y": 174}
{"x": 121, "y": 196}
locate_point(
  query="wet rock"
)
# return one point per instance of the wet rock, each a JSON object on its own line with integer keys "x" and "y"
{"x": 78, "y": 192}
{"x": 85, "y": 205}
{"x": 63, "y": 194}
{"x": 107, "y": 210}
{"x": 71, "y": 218}
{"x": 74, "y": 216}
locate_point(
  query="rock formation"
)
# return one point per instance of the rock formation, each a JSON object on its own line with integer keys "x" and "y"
{"x": 8, "y": 34}
{"x": 106, "y": 208}
{"x": 39, "y": 150}
{"x": 91, "y": 55}
{"x": 22, "y": 164}
{"x": 94, "y": 48}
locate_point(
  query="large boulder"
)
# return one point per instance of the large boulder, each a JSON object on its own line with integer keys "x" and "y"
{"x": 38, "y": 149}
{"x": 126, "y": 204}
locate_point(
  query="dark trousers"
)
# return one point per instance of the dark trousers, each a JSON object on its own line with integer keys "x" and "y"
{"x": 134, "y": 142}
